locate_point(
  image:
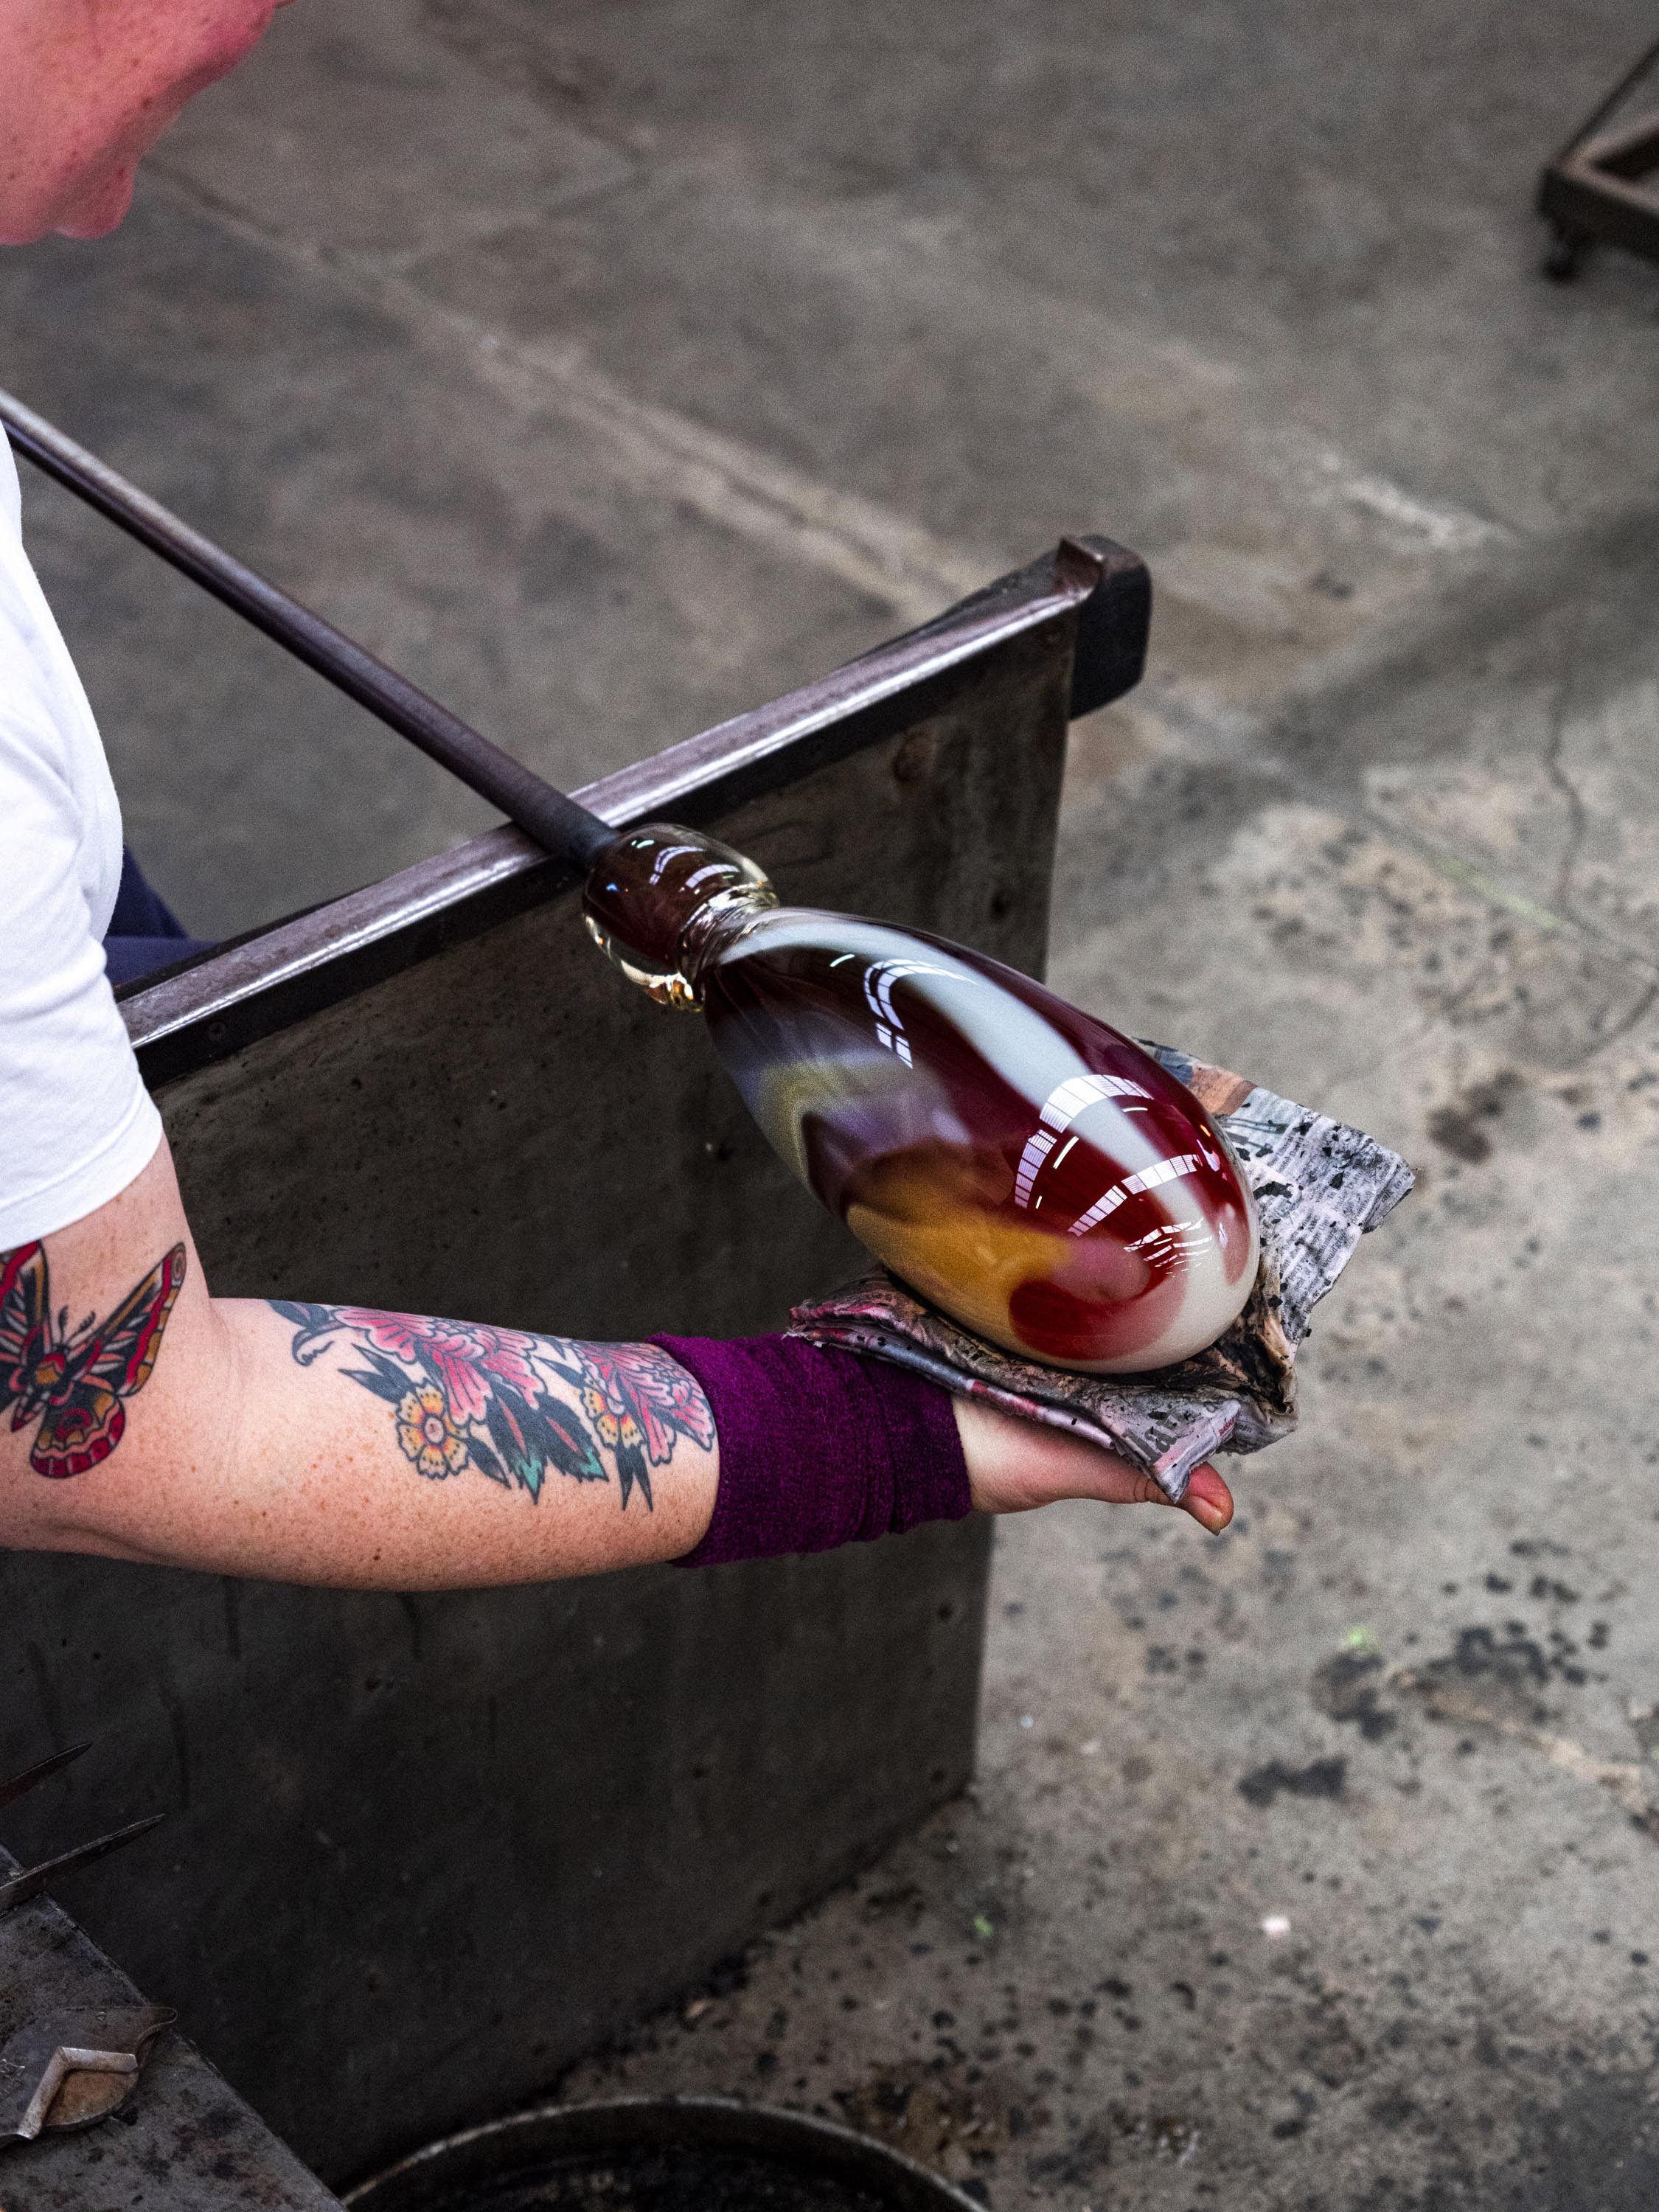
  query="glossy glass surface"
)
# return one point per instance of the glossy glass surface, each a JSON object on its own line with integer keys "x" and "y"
{"x": 1022, "y": 1165}
{"x": 654, "y": 897}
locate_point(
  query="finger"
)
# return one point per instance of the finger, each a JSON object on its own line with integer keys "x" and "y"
{"x": 1113, "y": 1482}
{"x": 1014, "y": 1465}
{"x": 1208, "y": 1499}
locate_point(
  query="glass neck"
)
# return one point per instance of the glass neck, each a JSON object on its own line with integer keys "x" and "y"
{"x": 663, "y": 903}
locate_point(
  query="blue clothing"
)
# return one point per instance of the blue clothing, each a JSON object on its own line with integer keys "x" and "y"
{"x": 145, "y": 934}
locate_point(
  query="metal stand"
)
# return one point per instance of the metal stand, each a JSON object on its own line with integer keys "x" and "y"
{"x": 486, "y": 1830}
{"x": 1594, "y": 189}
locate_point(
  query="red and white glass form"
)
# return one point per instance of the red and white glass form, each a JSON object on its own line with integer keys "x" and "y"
{"x": 1023, "y": 1166}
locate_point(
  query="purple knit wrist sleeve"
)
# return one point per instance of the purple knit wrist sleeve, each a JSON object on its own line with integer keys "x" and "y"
{"x": 819, "y": 1448}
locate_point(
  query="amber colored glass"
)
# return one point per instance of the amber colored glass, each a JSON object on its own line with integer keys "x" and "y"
{"x": 653, "y": 898}
{"x": 1022, "y": 1165}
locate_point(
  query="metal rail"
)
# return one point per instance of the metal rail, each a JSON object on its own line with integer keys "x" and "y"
{"x": 211, "y": 1008}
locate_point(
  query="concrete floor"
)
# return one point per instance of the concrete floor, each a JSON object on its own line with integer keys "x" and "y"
{"x": 611, "y": 367}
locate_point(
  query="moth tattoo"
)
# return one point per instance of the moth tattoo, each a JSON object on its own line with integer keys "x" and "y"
{"x": 74, "y": 1381}
{"x": 464, "y": 1395}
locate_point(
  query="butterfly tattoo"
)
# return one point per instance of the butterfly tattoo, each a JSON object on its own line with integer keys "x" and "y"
{"x": 74, "y": 1381}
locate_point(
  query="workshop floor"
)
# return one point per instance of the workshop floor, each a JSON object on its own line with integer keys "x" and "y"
{"x": 612, "y": 367}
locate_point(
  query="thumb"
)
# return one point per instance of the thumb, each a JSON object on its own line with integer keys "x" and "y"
{"x": 1208, "y": 1499}
{"x": 1015, "y": 1464}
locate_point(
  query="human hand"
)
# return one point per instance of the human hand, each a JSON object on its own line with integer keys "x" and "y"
{"x": 1014, "y": 1465}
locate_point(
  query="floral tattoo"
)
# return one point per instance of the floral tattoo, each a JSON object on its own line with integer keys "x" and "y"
{"x": 465, "y": 1395}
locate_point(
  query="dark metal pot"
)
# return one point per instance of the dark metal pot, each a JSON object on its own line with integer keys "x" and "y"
{"x": 657, "y": 2155}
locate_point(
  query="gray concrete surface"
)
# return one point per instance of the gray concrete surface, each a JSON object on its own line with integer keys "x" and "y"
{"x": 691, "y": 347}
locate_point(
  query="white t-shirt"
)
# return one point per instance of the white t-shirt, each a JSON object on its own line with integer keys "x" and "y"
{"x": 76, "y": 1124}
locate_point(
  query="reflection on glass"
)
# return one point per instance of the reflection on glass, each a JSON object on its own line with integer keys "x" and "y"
{"x": 1030, "y": 1171}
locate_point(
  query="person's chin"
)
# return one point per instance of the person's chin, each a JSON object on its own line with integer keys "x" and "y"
{"x": 99, "y": 208}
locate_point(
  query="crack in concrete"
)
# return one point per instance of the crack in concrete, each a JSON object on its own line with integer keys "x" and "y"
{"x": 1227, "y": 735}
{"x": 1577, "y": 812}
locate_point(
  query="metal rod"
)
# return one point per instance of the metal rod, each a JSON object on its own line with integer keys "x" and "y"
{"x": 567, "y": 830}
{"x": 20, "y": 1784}
{"x": 32, "y": 1880}
{"x": 1603, "y": 108}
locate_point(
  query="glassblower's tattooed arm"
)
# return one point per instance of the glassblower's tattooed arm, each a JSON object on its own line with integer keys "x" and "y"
{"x": 464, "y": 1396}
{"x": 323, "y": 1443}
{"x": 316, "y": 1443}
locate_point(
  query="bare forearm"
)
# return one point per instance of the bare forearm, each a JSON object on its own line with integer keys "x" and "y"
{"x": 395, "y": 1449}
{"x": 325, "y": 1444}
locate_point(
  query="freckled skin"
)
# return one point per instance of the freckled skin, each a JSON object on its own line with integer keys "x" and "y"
{"x": 86, "y": 88}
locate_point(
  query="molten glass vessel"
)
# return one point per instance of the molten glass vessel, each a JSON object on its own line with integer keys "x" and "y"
{"x": 1032, "y": 1172}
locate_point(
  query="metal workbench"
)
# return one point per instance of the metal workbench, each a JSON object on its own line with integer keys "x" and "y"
{"x": 424, "y": 1850}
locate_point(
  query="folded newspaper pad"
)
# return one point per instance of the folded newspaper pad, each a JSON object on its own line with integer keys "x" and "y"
{"x": 1319, "y": 1185}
